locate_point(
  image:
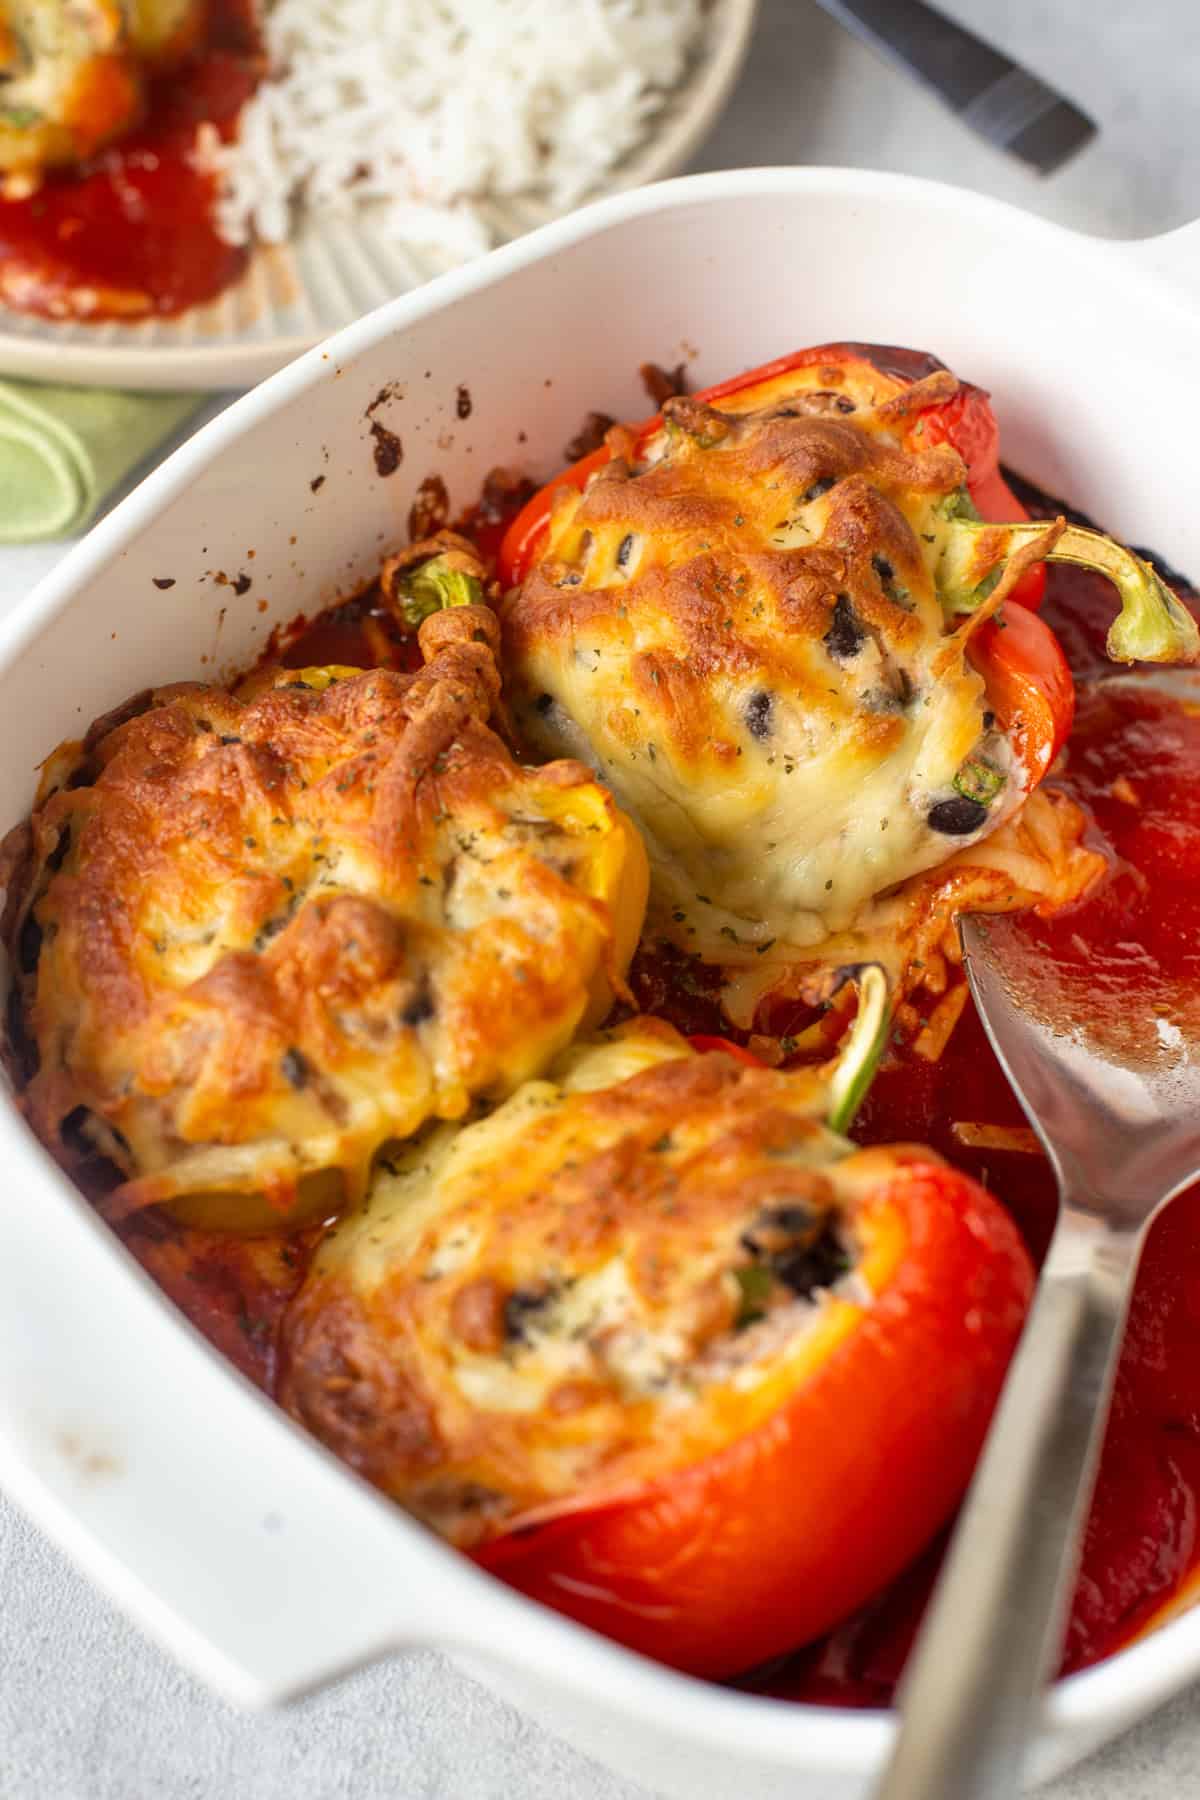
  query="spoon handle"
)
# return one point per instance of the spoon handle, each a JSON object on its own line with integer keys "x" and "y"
{"x": 997, "y": 99}
{"x": 994, "y": 1628}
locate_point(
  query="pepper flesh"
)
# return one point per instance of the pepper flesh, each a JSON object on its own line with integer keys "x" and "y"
{"x": 767, "y": 1542}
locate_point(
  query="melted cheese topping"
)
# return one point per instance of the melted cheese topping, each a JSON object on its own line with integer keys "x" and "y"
{"x": 627, "y": 1263}
{"x": 261, "y": 936}
{"x": 741, "y": 633}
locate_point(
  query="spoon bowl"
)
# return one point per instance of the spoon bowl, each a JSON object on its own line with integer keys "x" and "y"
{"x": 1112, "y": 1092}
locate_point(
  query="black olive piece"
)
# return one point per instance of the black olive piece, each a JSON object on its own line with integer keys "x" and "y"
{"x": 523, "y": 1305}
{"x": 419, "y": 1008}
{"x": 778, "y": 1227}
{"x": 989, "y": 719}
{"x": 230, "y": 740}
{"x": 758, "y": 714}
{"x": 58, "y": 855}
{"x": 818, "y": 488}
{"x": 295, "y": 1067}
{"x": 883, "y": 568}
{"x": 271, "y": 928}
{"x": 846, "y": 633}
{"x": 73, "y": 1132}
{"x": 817, "y": 1267}
{"x": 957, "y": 817}
{"x": 29, "y": 944}
{"x": 543, "y": 703}
{"x": 623, "y": 549}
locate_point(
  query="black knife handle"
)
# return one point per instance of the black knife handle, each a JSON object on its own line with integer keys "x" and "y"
{"x": 992, "y": 95}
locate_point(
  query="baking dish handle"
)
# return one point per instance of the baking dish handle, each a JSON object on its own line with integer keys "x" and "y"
{"x": 1175, "y": 255}
{"x": 241, "y": 1545}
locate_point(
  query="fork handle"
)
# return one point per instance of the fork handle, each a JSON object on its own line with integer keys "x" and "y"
{"x": 995, "y": 1623}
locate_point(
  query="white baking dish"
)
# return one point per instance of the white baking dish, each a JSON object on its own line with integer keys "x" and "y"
{"x": 260, "y": 1562}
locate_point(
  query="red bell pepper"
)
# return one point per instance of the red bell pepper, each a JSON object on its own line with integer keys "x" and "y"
{"x": 819, "y": 1497}
{"x": 1029, "y": 684}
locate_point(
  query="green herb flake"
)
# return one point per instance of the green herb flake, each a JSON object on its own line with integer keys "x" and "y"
{"x": 754, "y": 1287}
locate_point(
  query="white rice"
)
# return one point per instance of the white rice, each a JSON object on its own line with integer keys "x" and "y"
{"x": 427, "y": 110}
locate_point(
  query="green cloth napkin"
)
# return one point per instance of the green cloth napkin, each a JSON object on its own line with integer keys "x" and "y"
{"x": 63, "y": 450}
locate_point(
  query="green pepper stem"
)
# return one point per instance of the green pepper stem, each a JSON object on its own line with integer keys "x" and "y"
{"x": 432, "y": 586}
{"x": 859, "y": 1058}
{"x": 1152, "y": 625}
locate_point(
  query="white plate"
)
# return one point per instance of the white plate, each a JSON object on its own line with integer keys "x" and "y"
{"x": 332, "y": 271}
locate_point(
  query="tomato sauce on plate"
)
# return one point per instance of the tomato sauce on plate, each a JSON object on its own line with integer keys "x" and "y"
{"x": 130, "y": 233}
{"x": 1133, "y": 761}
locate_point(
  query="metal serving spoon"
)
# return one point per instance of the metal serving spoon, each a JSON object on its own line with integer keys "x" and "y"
{"x": 1114, "y": 1096}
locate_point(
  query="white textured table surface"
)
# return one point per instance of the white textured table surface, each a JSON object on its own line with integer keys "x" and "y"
{"x": 88, "y": 1710}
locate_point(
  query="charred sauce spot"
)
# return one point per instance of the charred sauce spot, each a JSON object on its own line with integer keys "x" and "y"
{"x": 462, "y": 402}
{"x": 389, "y": 451}
{"x": 430, "y": 509}
{"x": 242, "y": 584}
{"x": 382, "y": 397}
{"x": 589, "y": 437}
{"x": 316, "y": 484}
{"x": 663, "y": 384}
{"x": 164, "y": 582}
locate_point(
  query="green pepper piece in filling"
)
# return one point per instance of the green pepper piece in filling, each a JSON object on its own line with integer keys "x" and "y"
{"x": 978, "y": 780}
{"x": 859, "y": 1057}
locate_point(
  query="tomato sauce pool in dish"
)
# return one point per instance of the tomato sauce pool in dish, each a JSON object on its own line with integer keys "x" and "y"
{"x": 1133, "y": 761}
{"x": 130, "y": 232}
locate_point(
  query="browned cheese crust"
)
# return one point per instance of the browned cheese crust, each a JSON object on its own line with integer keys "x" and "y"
{"x": 257, "y": 937}
{"x": 741, "y": 630}
{"x": 548, "y": 1301}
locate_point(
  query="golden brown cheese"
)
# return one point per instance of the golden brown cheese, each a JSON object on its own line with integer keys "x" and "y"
{"x": 741, "y": 632}
{"x": 585, "y": 1288}
{"x": 261, "y": 936}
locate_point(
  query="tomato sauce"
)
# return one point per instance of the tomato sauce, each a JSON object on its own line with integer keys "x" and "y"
{"x": 1133, "y": 762}
{"x": 130, "y": 232}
